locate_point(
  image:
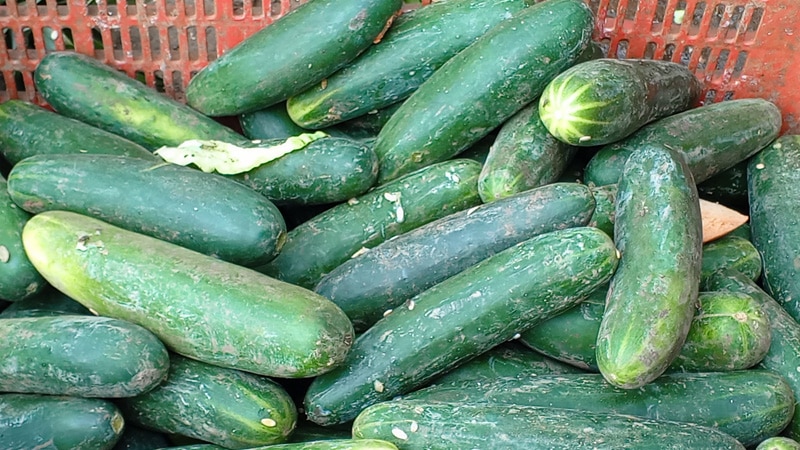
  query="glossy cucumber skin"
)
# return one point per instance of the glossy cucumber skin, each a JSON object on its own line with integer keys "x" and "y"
{"x": 50, "y": 421}
{"x": 414, "y": 47}
{"x": 272, "y": 122}
{"x": 462, "y": 317}
{"x": 327, "y": 240}
{"x": 483, "y": 85}
{"x": 713, "y": 137}
{"x": 420, "y": 424}
{"x": 328, "y": 170}
{"x": 199, "y": 306}
{"x": 749, "y": 405}
{"x": 523, "y": 156}
{"x": 19, "y": 279}
{"x": 396, "y": 270}
{"x": 301, "y": 48}
{"x": 772, "y": 178}
{"x": 27, "y": 130}
{"x": 638, "y": 340}
{"x": 605, "y": 100}
{"x": 222, "y": 406}
{"x": 201, "y": 211}
{"x": 731, "y": 252}
{"x": 83, "y": 88}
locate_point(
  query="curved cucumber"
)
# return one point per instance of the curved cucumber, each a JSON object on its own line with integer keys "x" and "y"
{"x": 272, "y": 122}
{"x": 19, "y": 279}
{"x": 605, "y": 209}
{"x": 283, "y": 59}
{"x": 638, "y": 340}
{"x": 462, "y": 317}
{"x": 604, "y": 100}
{"x": 731, "y": 252}
{"x": 389, "y": 274}
{"x": 199, "y": 306}
{"x": 476, "y": 90}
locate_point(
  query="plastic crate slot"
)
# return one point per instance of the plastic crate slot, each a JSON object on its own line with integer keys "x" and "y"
{"x": 158, "y": 79}
{"x": 669, "y": 52}
{"x": 174, "y": 46}
{"x": 189, "y": 8}
{"x": 650, "y": 50}
{"x": 9, "y": 41}
{"x": 209, "y": 8}
{"x": 716, "y": 22}
{"x": 50, "y": 37}
{"x": 154, "y": 42}
{"x": 116, "y": 44}
{"x": 728, "y": 95}
{"x": 702, "y": 62}
{"x": 171, "y": 8}
{"x": 136, "y": 43}
{"x": 192, "y": 48}
{"x": 686, "y": 55}
{"x": 211, "y": 43}
{"x": 177, "y": 90}
{"x": 657, "y": 22}
{"x": 238, "y": 9}
{"x": 67, "y": 39}
{"x": 753, "y": 25}
{"x": 3, "y": 88}
{"x": 276, "y": 8}
{"x": 734, "y": 21}
{"x": 696, "y": 19}
{"x": 741, "y": 61}
{"x": 622, "y": 49}
{"x": 19, "y": 81}
{"x": 721, "y": 62}
{"x": 258, "y": 8}
{"x": 150, "y": 8}
{"x": 676, "y": 18}
{"x": 711, "y": 95}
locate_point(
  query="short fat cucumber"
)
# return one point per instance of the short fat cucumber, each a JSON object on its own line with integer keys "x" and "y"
{"x": 604, "y": 100}
{"x": 199, "y": 306}
{"x": 639, "y": 339}
{"x": 301, "y": 48}
{"x": 462, "y": 317}
{"x": 731, "y": 252}
{"x": 483, "y": 85}
{"x": 19, "y": 279}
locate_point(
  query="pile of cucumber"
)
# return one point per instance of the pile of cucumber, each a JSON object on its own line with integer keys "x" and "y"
{"x": 479, "y": 233}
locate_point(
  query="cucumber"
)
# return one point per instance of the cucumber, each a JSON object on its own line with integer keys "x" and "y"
{"x": 136, "y": 438}
{"x": 336, "y": 444}
{"x": 49, "y": 302}
{"x": 483, "y": 85}
{"x": 772, "y": 177}
{"x": 605, "y": 206}
{"x": 778, "y": 443}
{"x": 272, "y": 122}
{"x": 462, "y": 317}
{"x": 27, "y": 130}
{"x": 81, "y": 356}
{"x": 365, "y": 127}
{"x": 713, "y": 137}
{"x": 309, "y": 43}
{"x": 199, "y": 306}
{"x": 31, "y": 421}
{"x": 328, "y": 170}
{"x": 327, "y": 240}
{"x": 524, "y": 156}
{"x": 222, "y": 406}
{"x": 83, "y": 88}
{"x": 201, "y": 211}
{"x": 306, "y": 431}
{"x": 19, "y": 279}
{"x": 413, "y": 48}
{"x": 419, "y": 424}
{"x": 605, "y": 100}
{"x": 731, "y": 252}
{"x": 638, "y": 340}
{"x": 396, "y": 270}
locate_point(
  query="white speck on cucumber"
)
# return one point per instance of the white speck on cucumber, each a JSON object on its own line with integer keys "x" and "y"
{"x": 399, "y": 434}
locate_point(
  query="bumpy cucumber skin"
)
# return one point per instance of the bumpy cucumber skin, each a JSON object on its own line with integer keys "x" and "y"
{"x": 199, "y": 306}
{"x": 19, "y": 279}
{"x": 749, "y": 405}
{"x": 83, "y": 88}
{"x": 713, "y": 137}
{"x": 731, "y": 252}
{"x": 201, "y": 211}
{"x": 82, "y": 356}
{"x": 419, "y": 424}
{"x": 327, "y": 240}
{"x": 48, "y": 302}
{"x": 778, "y": 443}
{"x": 413, "y": 48}
{"x": 272, "y": 122}
{"x": 605, "y": 100}
{"x": 288, "y": 56}
{"x": 222, "y": 406}
{"x": 523, "y": 156}
{"x": 396, "y": 270}
{"x": 328, "y": 170}
{"x": 772, "y": 178}
{"x": 639, "y": 339}
{"x": 27, "y": 130}
{"x": 337, "y": 444}
{"x": 462, "y": 317}
{"x": 49, "y": 421}
{"x": 483, "y": 85}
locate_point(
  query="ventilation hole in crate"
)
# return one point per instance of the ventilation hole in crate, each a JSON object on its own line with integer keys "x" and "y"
{"x": 728, "y": 95}
{"x": 594, "y": 5}
{"x": 27, "y": 37}
{"x": 154, "y": 40}
{"x": 735, "y": 22}
{"x": 3, "y": 87}
{"x": 8, "y": 38}
{"x": 116, "y": 44}
{"x": 605, "y": 45}
{"x": 189, "y": 8}
{"x": 69, "y": 42}
{"x": 669, "y": 52}
{"x": 138, "y": 76}
{"x": 97, "y": 39}
{"x": 622, "y": 49}
{"x": 710, "y": 96}
{"x": 678, "y": 18}
{"x": 258, "y": 8}
{"x": 658, "y": 19}
{"x": 177, "y": 85}
{"x": 716, "y": 19}
{"x": 136, "y": 43}
{"x": 171, "y": 8}
{"x": 19, "y": 81}
{"x": 209, "y": 7}
{"x": 174, "y": 46}
{"x": 702, "y": 62}
{"x": 631, "y": 9}
{"x": 62, "y": 8}
{"x": 150, "y": 7}
{"x": 721, "y": 62}
{"x": 130, "y": 8}
{"x": 697, "y": 18}
{"x": 238, "y": 8}
{"x": 159, "y": 80}
{"x": 611, "y": 10}
{"x": 686, "y": 55}
{"x": 91, "y": 8}
{"x": 650, "y": 50}
{"x": 738, "y": 66}
{"x": 50, "y": 37}
{"x": 753, "y": 25}
{"x": 276, "y": 8}
{"x": 191, "y": 37}
{"x": 211, "y": 43}
{"x": 3, "y": 9}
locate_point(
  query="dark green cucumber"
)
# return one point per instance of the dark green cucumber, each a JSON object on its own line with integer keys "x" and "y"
{"x": 336, "y": 444}
{"x": 201, "y": 211}
{"x": 394, "y": 271}
{"x": 327, "y": 240}
{"x": 306, "y": 431}
{"x": 783, "y": 356}
{"x": 27, "y": 130}
{"x": 773, "y": 179}
{"x": 713, "y": 137}
{"x": 778, "y": 443}
{"x": 272, "y": 122}
{"x": 31, "y": 421}
{"x": 430, "y": 425}
{"x": 462, "y": 317}
{"x": 328, "y": 170}
{"x": 728, "y": 188}
{"x": 605, "y": 207}
{"x": 605, "y": 100}
{"x": 365, "y": 127}
{"x": 524, "y": 156}
{"x": 222, "y": 406}
{"x": 731, "y": 252}
{"x": 414, "y": 47}
{"x": 287, "y": 57}
{"x": 199, "y": 306}
{"x": 81, "y": 356}
{"x": 48, "y": 302}
{"x": 83, "y": 88}
{"x": 639, "y": 339}
{"x": 137, "y": 438}
{"x": 19, "y": 279}
{"x": 483, "y": 85}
